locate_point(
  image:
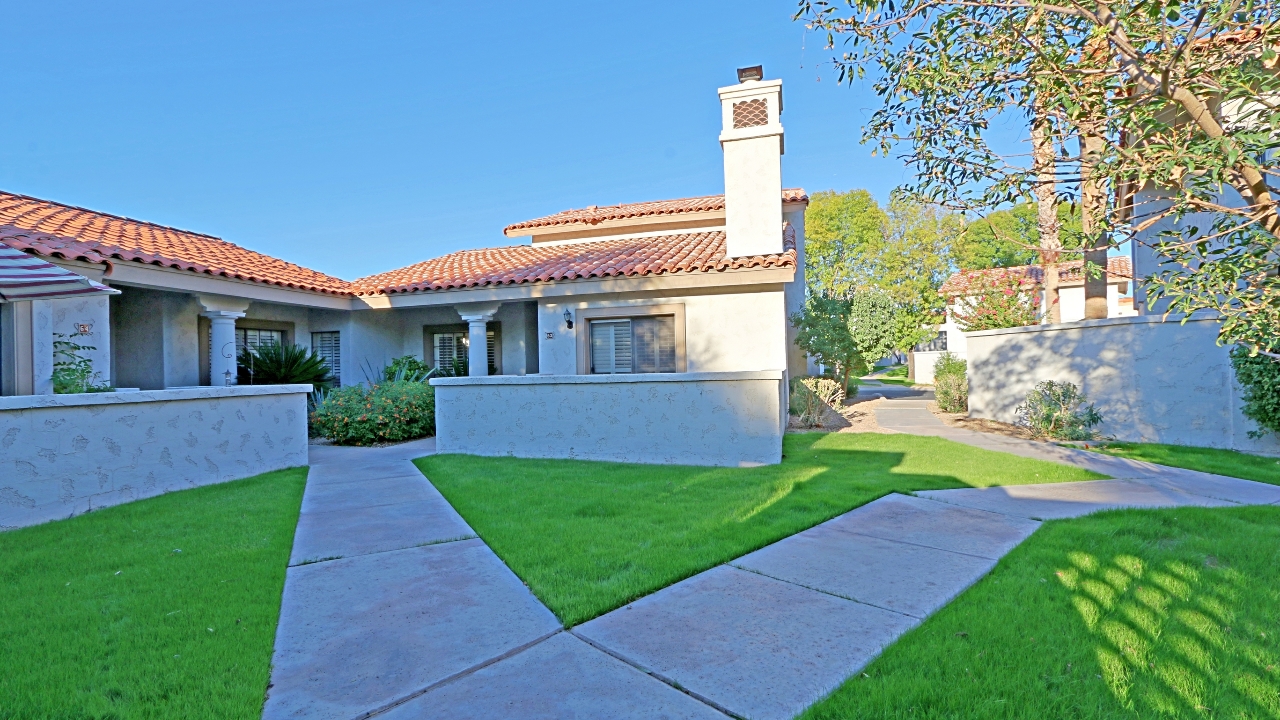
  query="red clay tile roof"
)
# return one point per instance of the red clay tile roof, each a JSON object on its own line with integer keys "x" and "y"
{"x": 63, "y": 231}
{"x": 1068, "y": 272}
{"x": 689, "y": 252}
{"x": 593, "y": 215}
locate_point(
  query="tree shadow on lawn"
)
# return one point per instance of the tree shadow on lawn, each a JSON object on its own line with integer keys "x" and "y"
{"x": 589, "y": 536}
{"x": 1131, "y": 613}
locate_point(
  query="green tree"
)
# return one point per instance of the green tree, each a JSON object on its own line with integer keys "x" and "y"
{"x": 838, "y": 229}
{"x": 999, "y": 298}
{"x": 1174, "y": 95}
{"x": 873, "y": 324}
{"x": 911, "y": 262}
{"x": 822, "y": 331}
{"x": 1011, "y": 237}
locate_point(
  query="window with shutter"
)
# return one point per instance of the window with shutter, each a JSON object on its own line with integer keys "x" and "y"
{"x": 329, "y": 347}
{"x": 451, "y": 347}
{"x": 633, "y": 345}
{"x": 255, "y": 338}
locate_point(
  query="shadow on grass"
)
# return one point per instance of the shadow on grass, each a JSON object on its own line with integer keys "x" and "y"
{"x": 589, "y": 536}
{"x": 1132, "y": 613}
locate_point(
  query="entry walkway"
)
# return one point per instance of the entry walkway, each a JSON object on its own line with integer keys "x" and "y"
{"x": 394, "y": 609}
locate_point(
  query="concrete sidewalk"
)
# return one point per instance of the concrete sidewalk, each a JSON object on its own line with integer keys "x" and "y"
{"x": 393, "y": 607}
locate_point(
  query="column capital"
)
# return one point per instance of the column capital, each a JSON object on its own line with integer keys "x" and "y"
{"x": 477, "y": 312}
{"x": 222, "y": 314}
{"x": 223, "y": 303}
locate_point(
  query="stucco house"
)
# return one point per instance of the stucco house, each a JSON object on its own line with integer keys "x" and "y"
{"x": 673, "y": 288}
{"x": 951, "y": 338}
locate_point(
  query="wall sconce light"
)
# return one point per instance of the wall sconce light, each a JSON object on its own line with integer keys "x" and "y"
{"x": 568, "y": 319}
{"x": 226, "y": 378}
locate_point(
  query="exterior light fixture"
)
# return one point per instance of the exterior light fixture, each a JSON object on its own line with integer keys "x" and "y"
{"x": 226, "y": 378}
{"x": 568, "y": 319}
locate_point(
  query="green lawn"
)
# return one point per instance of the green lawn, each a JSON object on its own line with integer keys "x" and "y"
{"x": 895, "y": 381}
{"x": 161, "y": 608}
{"x": 588, "y": 537}
{"x": 1125, "y": 614}
{"x": 1210, "y": 460}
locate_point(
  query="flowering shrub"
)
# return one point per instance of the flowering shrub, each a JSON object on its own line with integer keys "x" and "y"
{"x": 386, "y": 412}
{"x": 997, "y": 299}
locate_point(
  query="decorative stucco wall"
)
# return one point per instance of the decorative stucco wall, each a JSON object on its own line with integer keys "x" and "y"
{"x": 1153, "y": 381}
{"x": 730, "y": 419}
{"x": 61, "y": 455}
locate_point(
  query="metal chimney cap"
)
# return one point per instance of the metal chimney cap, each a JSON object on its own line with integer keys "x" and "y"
{"x": 746, "y": 74}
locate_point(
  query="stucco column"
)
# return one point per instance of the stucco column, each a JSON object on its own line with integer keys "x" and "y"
{"x": 477, "y": 317}
{"x": 222, "y": 346}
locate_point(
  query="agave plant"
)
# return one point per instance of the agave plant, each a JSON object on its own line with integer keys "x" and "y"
{"x": 273, "y": 364}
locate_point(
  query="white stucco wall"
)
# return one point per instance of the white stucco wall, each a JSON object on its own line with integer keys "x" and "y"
{"x": 1153, "y": 381}
{"x": 727, "y": 419}
{"x": 93, "y": 311}
{"x": 724, "y": 332}
{"x": 61, "y": 455}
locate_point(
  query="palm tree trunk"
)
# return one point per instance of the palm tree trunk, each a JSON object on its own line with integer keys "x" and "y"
{"x": 1044, "y": 165}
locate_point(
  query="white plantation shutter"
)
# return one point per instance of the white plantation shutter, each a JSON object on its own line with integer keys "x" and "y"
{"x": 453, "y": 346}
{"x": 611, "y": 346}
{"x": 328, "y": 346}
{"x": 254, "y": 338}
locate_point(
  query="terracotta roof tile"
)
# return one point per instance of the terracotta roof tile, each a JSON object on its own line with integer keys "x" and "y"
{"x": 1068, "y": 272}
{"x": 688, "y": 252}
{"x": 593, "y": 214}
{"x": 63, "y": 231}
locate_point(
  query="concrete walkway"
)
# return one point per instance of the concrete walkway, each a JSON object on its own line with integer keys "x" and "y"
{"x": 406, "y": 614}
{"x": 393, "y": 607}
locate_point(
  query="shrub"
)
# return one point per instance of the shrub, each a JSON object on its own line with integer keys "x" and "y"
{"x": 1259, "y": 376}
{"x": 386, "y": 412}
{"x": 1058, "y": 410}
{"x": 811, "y": 396}
{"x": 73, "y": 372}
{"x": 408, "y": 368}
{"x": 951, "y": 383}
{"x": 274, "y": 364}
{"x": 997, "y": 299}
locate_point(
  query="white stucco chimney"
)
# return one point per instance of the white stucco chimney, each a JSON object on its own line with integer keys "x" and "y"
{"x": 751, "y": 137}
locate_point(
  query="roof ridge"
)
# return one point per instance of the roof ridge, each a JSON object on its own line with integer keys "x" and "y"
{"x": 113, "y": 216}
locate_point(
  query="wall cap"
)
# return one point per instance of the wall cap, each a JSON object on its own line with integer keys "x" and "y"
{"x": 609, "y": 379}
{"x": 29, "y": 402}
{"x": 1203, "y": 316}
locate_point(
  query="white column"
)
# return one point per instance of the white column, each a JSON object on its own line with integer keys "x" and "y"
{"x": 222, "y": 346}
{"x": 477, "y": 317}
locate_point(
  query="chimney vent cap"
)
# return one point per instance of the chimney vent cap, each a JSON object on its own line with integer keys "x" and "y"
{"x": 747, "y": 74}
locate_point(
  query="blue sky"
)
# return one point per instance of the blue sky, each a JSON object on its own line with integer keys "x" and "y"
{"x": 356, "y": 138}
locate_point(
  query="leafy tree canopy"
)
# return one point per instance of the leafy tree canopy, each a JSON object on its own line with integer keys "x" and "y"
{"x": 1011, "y": 237}
{"x": 822, "y": 331}
{"x": 839, "y": 227}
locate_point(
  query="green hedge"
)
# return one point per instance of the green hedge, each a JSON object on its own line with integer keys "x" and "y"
{"x": 387, "y": 412}
{"x": 1259, "y": 376}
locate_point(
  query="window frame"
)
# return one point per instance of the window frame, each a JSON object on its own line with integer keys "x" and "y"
{"x": 582, "y": 329}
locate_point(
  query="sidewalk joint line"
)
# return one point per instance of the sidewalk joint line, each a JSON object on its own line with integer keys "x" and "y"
{"x": 657, "y": 676}
{"x": 820, "y": 591}
{"x": 456, "y": 676}
{"x": 445, "y": 541}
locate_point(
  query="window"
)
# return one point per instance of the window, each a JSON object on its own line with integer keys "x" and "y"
{"x": 453, "y": 346}
{"x": 255, "y": 338}
{"x": 633, "y": 345}
{"x": 937, "y": 344}
{"x": 329, "y": 347}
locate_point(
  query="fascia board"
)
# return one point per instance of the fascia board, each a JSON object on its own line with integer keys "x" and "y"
{"x": 157, "y": 278}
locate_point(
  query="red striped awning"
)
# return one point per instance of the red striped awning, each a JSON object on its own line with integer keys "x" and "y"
{"x": 24, "y": 277}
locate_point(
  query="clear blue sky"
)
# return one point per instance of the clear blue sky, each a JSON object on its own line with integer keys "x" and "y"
{"x": 359, "y": 137}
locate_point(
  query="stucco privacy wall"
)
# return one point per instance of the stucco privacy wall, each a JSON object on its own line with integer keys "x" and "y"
{"x": 730, "y": 419}
{"x": 1153, "y": 381}
{"x": 61, "y": 455}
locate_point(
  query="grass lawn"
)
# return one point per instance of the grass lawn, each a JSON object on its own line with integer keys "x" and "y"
{"x": 1210, "y": 460}
{"x": 160, "y": 608}
{"x": 895, "y": 381}
{"x": 588, "y": 537}
{"x": 1126, "y": 614}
